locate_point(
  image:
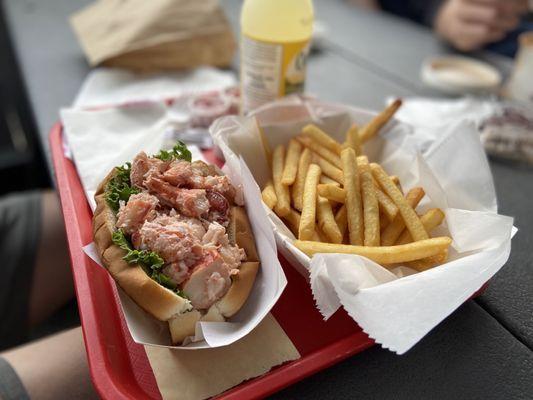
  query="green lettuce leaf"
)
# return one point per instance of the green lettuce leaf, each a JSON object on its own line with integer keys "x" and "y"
{"x": 119, "y": 187}
{"x": 151, "y": 262}
{"x": 178, "y": 152}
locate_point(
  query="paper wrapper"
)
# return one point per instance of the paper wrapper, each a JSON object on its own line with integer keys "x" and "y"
{"x": 100, "y": 140}
{"x": 154, "y": 35}
{"x": 395, "y": 308}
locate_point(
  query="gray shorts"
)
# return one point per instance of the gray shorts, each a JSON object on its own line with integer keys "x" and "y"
{"x": 20, "y": 228}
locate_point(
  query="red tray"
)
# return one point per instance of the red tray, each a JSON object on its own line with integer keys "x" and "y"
{"x": 119, "y": 366}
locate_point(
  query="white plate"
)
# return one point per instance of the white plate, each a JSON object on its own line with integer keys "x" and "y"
{"x": 460, "y": 75}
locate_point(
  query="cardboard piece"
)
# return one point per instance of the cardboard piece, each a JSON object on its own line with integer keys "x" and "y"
{"x": 194, "y": 375}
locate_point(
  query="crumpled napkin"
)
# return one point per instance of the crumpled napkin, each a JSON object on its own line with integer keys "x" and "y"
{"x": 506, "y": 129}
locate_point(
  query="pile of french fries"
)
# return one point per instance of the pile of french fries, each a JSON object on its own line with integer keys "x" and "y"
{"x": 335, "y": 201}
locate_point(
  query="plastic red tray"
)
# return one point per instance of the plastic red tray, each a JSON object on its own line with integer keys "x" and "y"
{"x": 119, "y": 366}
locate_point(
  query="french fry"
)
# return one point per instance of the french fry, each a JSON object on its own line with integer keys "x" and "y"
{"x": 322, "y": 138}
{"x": 332, "y": 192}
{"x": 269, "y": 195}
{"x": 341, "y": 218}
{"x": 326, "y": 220}
{"x": 373, "y": 127}
{"x": 386, "y": 205}
{"x": 297, "y": 190}
{"x": 291, "y": 162}
{"x": 428, "y": 262}
{"x": 326, "y": 180}
{"x": 396, "y": 181}
{"x": 324, "y": 152}
{"x": 308, "y": 217}
{"x": 411, "y": 219}
{"x": 383, "y": 221}
{"x": 393, "y": 230}
{"x": 283, "y": 204}
{"x": 353, "y": 196}
{"x": 352, "y": 139}
{"x": 381, "y": 255}
{"x": 293, "y": 220}
{"x": 370, "y": 205}
{"x": 431, "y": 219}
{"x": 329, "y": 169}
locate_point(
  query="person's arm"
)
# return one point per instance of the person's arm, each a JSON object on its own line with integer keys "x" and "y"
{"x": 471, "y": 24}
{"x": 54, "y": 368}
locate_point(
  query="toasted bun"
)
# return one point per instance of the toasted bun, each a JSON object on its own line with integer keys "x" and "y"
{"x": 159, "y": 301}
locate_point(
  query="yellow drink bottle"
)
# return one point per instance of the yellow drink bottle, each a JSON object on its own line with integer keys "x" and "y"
{"x": 275, "y": 39}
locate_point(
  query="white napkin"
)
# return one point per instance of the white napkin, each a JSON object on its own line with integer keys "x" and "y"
{"x": 396, "y": 308}
{"x": 102, "y": 139}
{"x": 106, "y": 87}
{"x": 505, "y": 128}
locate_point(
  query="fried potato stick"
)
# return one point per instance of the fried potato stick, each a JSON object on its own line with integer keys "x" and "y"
{"x": 353, "y": 200}
{"x": 297, "y": 189}
{"x": 269, "y": 195}
{"x": 291, "y": 163}
{"x": 293, "y": 221}
{"x": 326, "y": 180}
{"x": 411, "y": 219}
{"x": 322, "y": 138}
{"x": 329, "y": 169}
{"x": 332, "y": 192}
{"x": 370, "y": 205}
{"x": 386, "y": 205}
{"x": 393, "y": 230}
{"x": 428, "y": 262}
{"x": 341, "y": 218}
{"x": 382, "y": 255}
{"x": 283, "y": 204}
{"x": 326, "y": 220}
{"x": 431, "y": 219}
{"x": 352, "y": 139}
{"x": 308, "y": 217}
{"x": 322, "y": 151}
{"x": 373, "y": 127}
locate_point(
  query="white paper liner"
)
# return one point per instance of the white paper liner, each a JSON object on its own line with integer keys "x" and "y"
{"x": 395, "y": 308}
{"x": 100, "y": 140}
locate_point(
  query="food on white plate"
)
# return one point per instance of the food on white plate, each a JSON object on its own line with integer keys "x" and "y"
{"x": 173, "y": 235}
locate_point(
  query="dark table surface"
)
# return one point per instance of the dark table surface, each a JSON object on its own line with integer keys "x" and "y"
{"x": 484, "y": 349}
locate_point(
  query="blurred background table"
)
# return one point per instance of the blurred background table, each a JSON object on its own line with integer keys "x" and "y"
{"x": 484, "y": 350}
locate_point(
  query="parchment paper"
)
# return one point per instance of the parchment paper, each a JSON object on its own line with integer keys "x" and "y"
{"x": 396, "y": 308}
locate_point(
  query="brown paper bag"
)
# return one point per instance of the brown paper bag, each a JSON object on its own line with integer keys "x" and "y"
{"x": 154, "y": 35}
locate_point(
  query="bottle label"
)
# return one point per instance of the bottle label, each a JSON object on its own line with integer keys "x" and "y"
{"x": 271, "y": 70}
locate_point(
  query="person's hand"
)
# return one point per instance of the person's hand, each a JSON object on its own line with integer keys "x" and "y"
{"x": 471, "y": 24}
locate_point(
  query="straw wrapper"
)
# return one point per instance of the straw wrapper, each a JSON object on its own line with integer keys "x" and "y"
{"x": 100, "y": 140}
{"x": 396, "y": 308}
